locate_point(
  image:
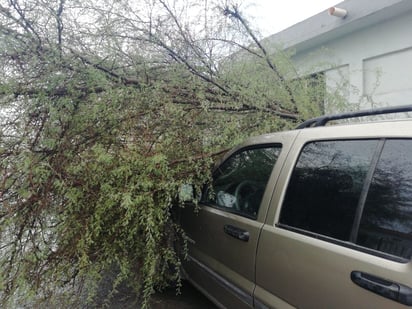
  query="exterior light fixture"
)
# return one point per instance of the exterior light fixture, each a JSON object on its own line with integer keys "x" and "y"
{"x": 338, "y": 12}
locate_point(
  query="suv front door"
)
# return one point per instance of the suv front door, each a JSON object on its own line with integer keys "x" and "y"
{"x": 223, "y": 235}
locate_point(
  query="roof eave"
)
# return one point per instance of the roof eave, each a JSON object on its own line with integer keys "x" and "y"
{"x": 320, "y": 28}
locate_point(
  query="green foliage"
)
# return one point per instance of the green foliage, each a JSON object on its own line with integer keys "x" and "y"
{"x": 101, "y": 125}
{"x": 92, "y": 186}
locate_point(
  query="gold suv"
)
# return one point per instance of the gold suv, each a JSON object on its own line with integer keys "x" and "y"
{"x": 317, "y": 217}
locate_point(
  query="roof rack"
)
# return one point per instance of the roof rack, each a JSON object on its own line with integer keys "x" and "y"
{"x": 323, "y": 120}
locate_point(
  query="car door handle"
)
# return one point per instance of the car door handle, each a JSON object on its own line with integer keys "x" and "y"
{"x": 236, "y": 232}
{"x": 392, "y": 290}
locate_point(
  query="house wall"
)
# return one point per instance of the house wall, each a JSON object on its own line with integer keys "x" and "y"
{"x": 369, "y": 67}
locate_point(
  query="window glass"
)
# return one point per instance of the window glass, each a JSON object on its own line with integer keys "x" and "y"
{"x": 386, "y": 224}
{"x": 239, "y": 183}
{"x": 323, "y": 193}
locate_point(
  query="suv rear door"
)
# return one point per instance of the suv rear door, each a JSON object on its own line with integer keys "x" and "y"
{"x": 338, "y": 236}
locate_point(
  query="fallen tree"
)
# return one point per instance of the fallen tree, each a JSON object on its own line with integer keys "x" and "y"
{"x": 107, "y": 109}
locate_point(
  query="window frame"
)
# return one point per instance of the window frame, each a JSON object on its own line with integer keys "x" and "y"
{"x": 209, "y": 186}
{"x": 351, "y": 244}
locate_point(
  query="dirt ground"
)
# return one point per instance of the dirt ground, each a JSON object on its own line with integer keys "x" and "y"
{"x": 190, "y": 298}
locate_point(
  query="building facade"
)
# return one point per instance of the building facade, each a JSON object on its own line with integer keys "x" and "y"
{"x": 365, "y": 57}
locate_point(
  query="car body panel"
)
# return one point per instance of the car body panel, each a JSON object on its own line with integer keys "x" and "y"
{"x": 223, "y": 265}
{"x": 310, "y": 273}
{"x": 281, "y": 268}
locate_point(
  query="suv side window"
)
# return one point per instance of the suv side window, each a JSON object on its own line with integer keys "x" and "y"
{"x": 326, "y": 183}
{"x": 239, "y": 183}
{"x": 386, "y": 224}
{"x": 359, "y": 192}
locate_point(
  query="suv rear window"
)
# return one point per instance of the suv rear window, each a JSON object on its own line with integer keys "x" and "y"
{"x": 356, "y": 191}
{"x": 386, "y": 223}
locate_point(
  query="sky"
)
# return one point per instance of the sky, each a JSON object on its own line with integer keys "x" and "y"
{"x": 272, "y": 16}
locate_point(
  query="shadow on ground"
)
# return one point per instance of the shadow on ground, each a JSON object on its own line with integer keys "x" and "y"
{"x": 190, "y": 298}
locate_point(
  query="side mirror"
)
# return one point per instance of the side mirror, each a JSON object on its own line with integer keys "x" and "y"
{"x": 186, "y": 193}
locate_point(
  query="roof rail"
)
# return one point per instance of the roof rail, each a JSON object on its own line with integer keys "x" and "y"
{"x": 323, "y": 120}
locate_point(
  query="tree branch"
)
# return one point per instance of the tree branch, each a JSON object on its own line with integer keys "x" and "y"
{"x": 234, "y": 13}
{"x": 59, "y": 21}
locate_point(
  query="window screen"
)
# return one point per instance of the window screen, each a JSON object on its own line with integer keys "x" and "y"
{"x": 239, "y": 183}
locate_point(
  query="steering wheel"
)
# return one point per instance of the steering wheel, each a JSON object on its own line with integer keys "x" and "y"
{"x": 243, "y": 190}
